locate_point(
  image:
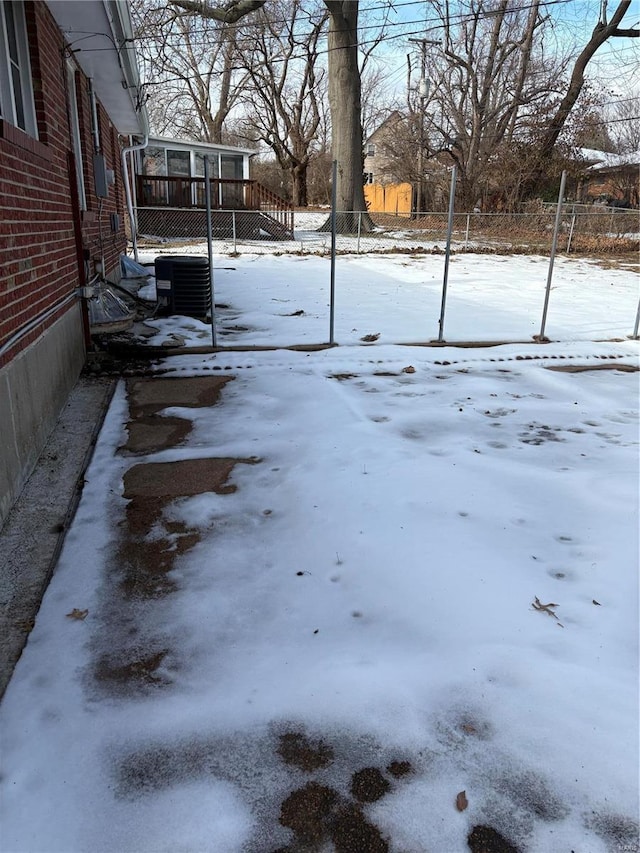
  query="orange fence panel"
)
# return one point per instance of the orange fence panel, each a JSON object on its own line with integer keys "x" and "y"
{"x": 392, "y": 198}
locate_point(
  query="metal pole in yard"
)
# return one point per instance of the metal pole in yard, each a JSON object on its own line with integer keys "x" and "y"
{"x": 635, "y": 328}
{"x": 573, "y": 225}
{"x": 359, "y": 231}
{"x": 556, "y": 231}
{"x": 207, "y": 195}
{"x": 334, "y": 192}
{"x": 452, "y": 199}
{"x": 233, "y": 225}
{"x": 466, "y": 236}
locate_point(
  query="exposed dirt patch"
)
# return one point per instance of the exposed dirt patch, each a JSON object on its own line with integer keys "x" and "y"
{"x": 296, "y": 749}
{"x": 539, "y": 433}
{"x": 144, "y": 559}
{"x": 169, "y": 480}
{"x": 148, "y": 396}
{"x": 486, "y": 839}
{"x": 141, "y": 672}
{"x": 343, "y": 376}
{"x": 398, "y": 769}
{"x": 151, "y": 433}
{"x": 307, "y": 811}
{"x": 146, "y": 563}
{"x": 351, "y": 832}
{"x": 582, "y": 368}
{"x": 369, "y": 785}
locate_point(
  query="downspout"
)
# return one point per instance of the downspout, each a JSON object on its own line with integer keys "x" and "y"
{"x": 127, "y": 191}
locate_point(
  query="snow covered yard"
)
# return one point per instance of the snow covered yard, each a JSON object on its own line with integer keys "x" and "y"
{"x": 425, "y": 582}
{"x": 285, "y": 299}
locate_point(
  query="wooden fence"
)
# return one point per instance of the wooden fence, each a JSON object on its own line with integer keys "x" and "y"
{"x": 393, "y": 198}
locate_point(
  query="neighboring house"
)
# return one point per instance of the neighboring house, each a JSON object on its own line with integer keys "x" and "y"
{"x": 169, "y": 190}
{"x": 69, "y": 99}
{"x": 392, "y": 165}
{"x": 610, "y": 178}
{"x": 173, "y": 158}
{"x": 380, "y": 151}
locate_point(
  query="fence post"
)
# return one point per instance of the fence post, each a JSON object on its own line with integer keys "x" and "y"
{"x": 635, "y": 328}
{"x": 359, "y": 231}
{"x": 233, "y": 225}
{"x": 452, "y": 198}
{"x": 207, "y": 195}
{"x": 573, "y": 223}
{"x": 334, "y": 193}
{"x": 552, "y": 258}
{"x": 466, "y": 236}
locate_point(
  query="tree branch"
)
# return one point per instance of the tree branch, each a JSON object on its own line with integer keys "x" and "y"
{"x": 229, "y": 13}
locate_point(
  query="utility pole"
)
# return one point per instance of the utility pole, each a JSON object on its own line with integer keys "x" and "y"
{"x": 423, "y": 91}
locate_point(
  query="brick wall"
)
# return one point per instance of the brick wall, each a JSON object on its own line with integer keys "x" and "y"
{"x": 47, "y": 245}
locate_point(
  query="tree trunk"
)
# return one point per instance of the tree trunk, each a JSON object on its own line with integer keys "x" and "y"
{"x": 346, "y": 119}
{"x": 299, "y": 185}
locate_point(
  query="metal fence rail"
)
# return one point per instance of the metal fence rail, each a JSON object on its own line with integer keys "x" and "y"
{"x": 594, "y": 233}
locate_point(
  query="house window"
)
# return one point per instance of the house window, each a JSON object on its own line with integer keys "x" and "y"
{"x": 154, "y": 161}
{"x": 371, "y": 150}
{"x": 76, "y": 137}
{"x": 16, "y": 90}
{"x": 178, "y": 164}
{"x": 368, "y": 178}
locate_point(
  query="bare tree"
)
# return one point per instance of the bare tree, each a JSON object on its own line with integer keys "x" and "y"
{"x": 286, "y": 85}
{"x": 625, "y": 125}
{"x": 190, "y": 69}
{"x": 499, "y": 98}
{"x": 603, "y": 31}
{"x": 488, "y": 85}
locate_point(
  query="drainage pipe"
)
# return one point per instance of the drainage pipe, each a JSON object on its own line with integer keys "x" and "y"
{"x": 37, "y": 321}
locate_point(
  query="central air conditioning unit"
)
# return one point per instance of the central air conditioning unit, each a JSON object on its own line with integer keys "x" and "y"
{"x": 183, "y": 286}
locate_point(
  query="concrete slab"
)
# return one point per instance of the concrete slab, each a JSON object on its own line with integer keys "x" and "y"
{"x": 34, "y": 530}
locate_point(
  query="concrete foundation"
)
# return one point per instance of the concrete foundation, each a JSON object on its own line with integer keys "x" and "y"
{"x": 34, "y": 388}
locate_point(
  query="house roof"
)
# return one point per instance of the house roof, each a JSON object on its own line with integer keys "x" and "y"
{"x": 391, "y": 120}
{"x": 188, "y": 144}
{"x": 100, "y": 34}
{"x": 605, "y": 160}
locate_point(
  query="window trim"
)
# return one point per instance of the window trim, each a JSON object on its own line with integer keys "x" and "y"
{"x": 76, "y": 135}
{"x": 8, "y": 107}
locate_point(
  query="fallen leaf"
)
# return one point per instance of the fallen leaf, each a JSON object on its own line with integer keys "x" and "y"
{"x": 370, "y": 338}
{"x": 461, "y": 801}
{"x": 467, "y": 728}
{"x": 78, "y": 614}
{"x": 597, "y": 602}
{"x": 546, "y": 608}
{"x": 409, "y": 369}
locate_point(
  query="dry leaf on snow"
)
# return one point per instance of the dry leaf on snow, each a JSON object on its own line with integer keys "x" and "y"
{"x": 409, "y": 369}
{"x": 78, "y": 614}
{"x": 461, "y": 801}
{"x": 546, "y": 608}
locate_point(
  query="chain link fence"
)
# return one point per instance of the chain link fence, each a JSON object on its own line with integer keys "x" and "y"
{"x": 582, "y": 231}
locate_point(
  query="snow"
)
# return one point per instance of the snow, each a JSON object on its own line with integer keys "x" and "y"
{"x": 488, "y": 299}
{"x": 370, "y": 582}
